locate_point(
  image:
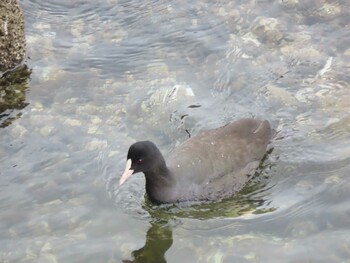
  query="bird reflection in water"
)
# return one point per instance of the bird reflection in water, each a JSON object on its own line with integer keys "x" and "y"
{"x": 159, "y": 239}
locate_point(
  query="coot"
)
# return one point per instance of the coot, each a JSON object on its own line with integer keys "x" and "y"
{"x": 212, "y": 165}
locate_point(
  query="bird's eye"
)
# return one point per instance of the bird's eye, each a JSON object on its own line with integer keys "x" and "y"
{"x": 140, "y": 161}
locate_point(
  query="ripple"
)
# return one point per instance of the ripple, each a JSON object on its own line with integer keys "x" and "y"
{"x": 54, "y": 12}
{"x": 126, "y": 36}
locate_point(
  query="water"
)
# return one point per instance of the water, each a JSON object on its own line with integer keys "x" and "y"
{"x": 107, "y": 73}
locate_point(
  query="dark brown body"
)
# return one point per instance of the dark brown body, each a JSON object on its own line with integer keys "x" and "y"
{"x": 211, "y": 165}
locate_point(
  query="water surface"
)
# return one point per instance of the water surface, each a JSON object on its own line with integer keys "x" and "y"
{"x": 107, "y": 73}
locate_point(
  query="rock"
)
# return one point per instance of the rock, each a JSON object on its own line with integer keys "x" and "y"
{"x": 333, "y": 179}
{"x": 290, "y": 3}
{"x": 72, "y": 122}
{"x": 18, "y": 131}
{"x": 282, "y": 95}
{"x": 268, "y": 30}
{"x": 46, "y": 130}
{"x": 96, "y": 145}
{"x": 329, "y": 9}
{"x": 12, "y": 38}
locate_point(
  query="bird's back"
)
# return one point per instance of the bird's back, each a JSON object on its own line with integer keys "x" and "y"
{"x": 219, "y": 161}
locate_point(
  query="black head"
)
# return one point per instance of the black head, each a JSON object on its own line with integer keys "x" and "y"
{"x": 144, "y": 155}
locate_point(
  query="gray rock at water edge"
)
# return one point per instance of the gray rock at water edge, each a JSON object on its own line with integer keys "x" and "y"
{"x": 12, "y": 39}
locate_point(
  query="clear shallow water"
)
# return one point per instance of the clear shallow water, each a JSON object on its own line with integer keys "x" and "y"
{"x": 107, "y": 73}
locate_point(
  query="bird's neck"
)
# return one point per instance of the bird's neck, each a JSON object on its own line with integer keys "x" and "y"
{"x": 159, "y": 174}
{"x": 158, "y": 182}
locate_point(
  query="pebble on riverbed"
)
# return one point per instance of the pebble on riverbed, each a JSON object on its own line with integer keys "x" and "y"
{"x": 18, "y": 131}
{"x": 268, "y": 30}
